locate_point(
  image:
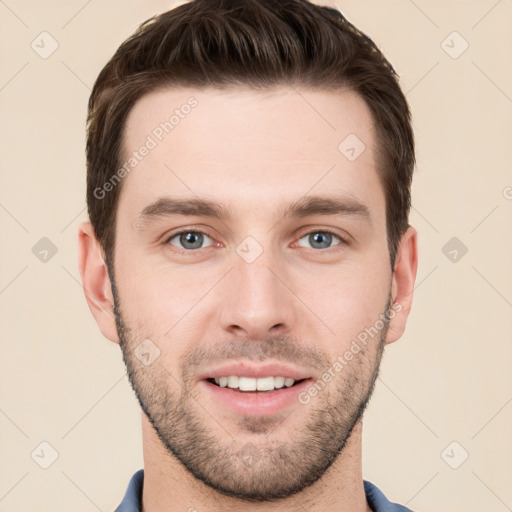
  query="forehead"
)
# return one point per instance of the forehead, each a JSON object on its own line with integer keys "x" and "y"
{"x": 247, "y": 148}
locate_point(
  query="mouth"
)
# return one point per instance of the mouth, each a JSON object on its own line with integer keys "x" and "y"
{"x": 253, "y": 402}
{"x": 255, "y": 386}
{"x": 249, "y": 389}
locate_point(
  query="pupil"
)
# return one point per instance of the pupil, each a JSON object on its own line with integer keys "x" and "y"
{"x": 189, "y": 238}
{"x": 317, "y": 237}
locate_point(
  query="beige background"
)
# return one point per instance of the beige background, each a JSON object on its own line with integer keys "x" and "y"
{"x": 448, "y": 379}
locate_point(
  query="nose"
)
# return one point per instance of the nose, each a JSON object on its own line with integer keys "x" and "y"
{"x": 256, "y": 300}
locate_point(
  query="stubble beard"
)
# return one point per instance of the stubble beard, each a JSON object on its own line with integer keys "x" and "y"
{"x": 249, "y": 459}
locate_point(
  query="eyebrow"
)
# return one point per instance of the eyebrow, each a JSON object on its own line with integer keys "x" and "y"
{"x": 303, "y": 207}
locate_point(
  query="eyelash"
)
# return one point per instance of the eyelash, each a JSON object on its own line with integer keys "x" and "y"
{"x": 342, "y": 240}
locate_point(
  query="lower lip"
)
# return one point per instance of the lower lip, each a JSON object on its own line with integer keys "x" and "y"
{"x": 255, "y": 404}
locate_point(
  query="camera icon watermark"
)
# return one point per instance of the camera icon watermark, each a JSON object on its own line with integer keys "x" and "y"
{"x": 454, "y": 45}
{"x": 351, "y": 147}
{"x": 44, "y": 45}
{"x": 44, "y": 455}
{"x": 454, "y": 455}
{"x": 147, "y": 352}
{"x": 249, "y": 249}
{"x": 454, "y": 249}
{"x": 44, "y": 250}
{"x": 249, "y": 454}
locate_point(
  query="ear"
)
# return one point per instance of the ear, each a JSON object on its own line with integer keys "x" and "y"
{"x": 402, "y": 285}
{"x": 96, "y": 281}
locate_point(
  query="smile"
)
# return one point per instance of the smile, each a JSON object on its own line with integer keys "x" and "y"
{"x": 248, "y": 384}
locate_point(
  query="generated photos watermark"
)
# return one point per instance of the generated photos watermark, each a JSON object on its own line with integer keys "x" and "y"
{"x": 156, "y": 136}
{"x": 343, "y": 359}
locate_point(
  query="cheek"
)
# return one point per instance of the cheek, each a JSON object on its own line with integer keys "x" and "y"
{"x": 157, "y": 299}
{"x": 351, "y": 299}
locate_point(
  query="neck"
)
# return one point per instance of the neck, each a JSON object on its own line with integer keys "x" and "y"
{"x": 169, "y": 487}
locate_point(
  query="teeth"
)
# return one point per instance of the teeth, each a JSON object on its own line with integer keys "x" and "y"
{"x": 233, "y": 382}
{"x": 252, "y": 384}
{"x": 247, "y": 384}
{"x": 288, "y": 382}
{"x": 263, "y": 384}
{"x": 279, "y": 382}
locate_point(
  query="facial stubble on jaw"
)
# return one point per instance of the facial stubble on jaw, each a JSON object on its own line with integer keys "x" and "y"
{"x": 277, "y": 468}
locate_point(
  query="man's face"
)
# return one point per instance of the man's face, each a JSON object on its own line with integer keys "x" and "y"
{"x": 255, "y": 288}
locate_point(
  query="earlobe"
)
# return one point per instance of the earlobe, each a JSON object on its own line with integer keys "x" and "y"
{"x": 96, "y": 281}
{"x": 402, "y": 286}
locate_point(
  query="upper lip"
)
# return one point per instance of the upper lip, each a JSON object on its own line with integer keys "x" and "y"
{"x": 245, "y": 369}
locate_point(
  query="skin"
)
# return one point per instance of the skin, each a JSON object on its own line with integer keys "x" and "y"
{"x": 299, "y": 302}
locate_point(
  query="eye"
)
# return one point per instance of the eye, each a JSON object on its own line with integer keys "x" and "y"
{"x": 320, "y": 239}
{"x": 189, "y": 239}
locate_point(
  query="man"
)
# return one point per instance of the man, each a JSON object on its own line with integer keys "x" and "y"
{"x": 249, "y": 171}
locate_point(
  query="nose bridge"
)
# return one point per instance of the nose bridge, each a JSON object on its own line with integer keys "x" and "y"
{"x": 258, "y": 302}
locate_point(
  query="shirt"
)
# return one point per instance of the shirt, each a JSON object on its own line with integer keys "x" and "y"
{"x": 374, "y": 496}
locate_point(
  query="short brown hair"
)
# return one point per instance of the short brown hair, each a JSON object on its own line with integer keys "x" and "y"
{"x": 254, "y": 44}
